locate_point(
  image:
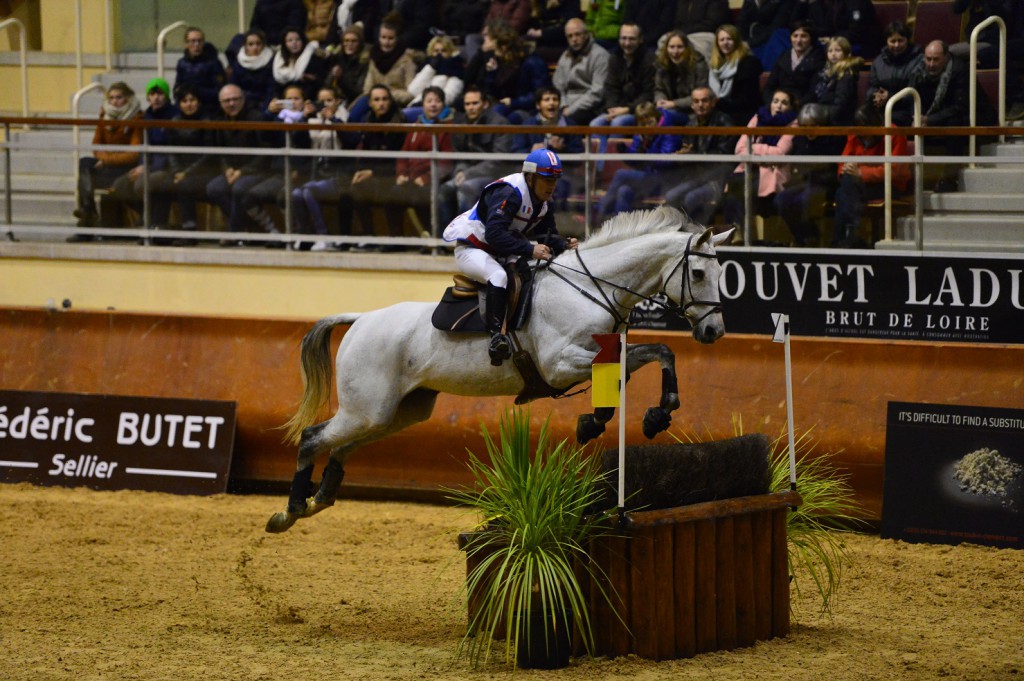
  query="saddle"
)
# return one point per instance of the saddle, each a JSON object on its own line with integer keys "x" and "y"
{"x": 461, "y": 310}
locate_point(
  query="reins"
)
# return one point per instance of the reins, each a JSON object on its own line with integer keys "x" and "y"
{"x": 611, "y": 304}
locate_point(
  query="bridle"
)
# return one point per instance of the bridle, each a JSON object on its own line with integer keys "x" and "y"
{"x": 611, "y": 304}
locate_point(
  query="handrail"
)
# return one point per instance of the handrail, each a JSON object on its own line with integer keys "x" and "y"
{"x": 76, "y": 132}
{"x": 241, "y": 16}
{"x": 108, "y": 14}
{"x": 918, "y": 174}
{"x": 1001, "y": 104}
{"x": 160, "y": 40}
{"x": 24, "y": 61}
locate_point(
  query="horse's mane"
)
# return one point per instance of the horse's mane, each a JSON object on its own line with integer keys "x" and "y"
{"x": 660, "y": 220}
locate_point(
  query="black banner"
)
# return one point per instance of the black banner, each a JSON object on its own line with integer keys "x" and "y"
{"x": 116, "y": 442}
{"x": 936, "y": 297}
{"x": 954, "y": 474}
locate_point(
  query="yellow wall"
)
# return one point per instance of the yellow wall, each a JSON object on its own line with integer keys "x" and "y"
{"x": 57, "y": 18}
{"x": 258, "y": 292}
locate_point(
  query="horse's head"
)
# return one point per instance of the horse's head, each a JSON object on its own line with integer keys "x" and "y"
{"x": 697, "y": 274}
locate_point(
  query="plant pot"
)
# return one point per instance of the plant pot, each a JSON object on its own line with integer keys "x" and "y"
{"x": 543, "y": 644}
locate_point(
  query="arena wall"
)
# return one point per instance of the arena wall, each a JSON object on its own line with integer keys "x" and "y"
{"x": 841, "y": 389}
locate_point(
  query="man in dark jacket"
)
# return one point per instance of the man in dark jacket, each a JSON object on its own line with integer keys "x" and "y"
{"x": 201, "y": 68}
{"x": 630, "y": 79}
{"x": 700, "y": 189}
{"x": 470, "y": 177}
{"x": 239, "y": 173}
{"x": 376, "y": 176}
{"x": 944, "y": 85}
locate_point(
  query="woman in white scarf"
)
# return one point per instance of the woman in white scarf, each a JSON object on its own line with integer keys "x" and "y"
{"x": 104, "y": 167}
{"x": 300, "y": 61}
{"x": 254, "y": 70}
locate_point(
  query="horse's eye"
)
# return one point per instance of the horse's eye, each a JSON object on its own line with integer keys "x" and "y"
{"x": 698, "y": 275}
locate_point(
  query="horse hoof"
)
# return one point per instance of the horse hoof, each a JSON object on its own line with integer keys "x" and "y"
{"x": 280, "y": 522}
{"x": 587, "y": 428}
{"x": 313, "y": 507}
{"x": 656, "y": 420}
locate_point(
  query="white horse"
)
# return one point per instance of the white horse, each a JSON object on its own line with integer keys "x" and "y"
{"x": 392, "y": 363}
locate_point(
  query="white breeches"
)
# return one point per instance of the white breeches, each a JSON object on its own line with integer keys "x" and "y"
{"x": 480, "y": 266}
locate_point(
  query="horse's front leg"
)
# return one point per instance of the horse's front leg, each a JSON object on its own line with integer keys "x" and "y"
{"x": 656, "y": 419}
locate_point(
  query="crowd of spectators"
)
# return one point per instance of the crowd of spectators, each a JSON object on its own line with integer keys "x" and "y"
{"x": 649, "y": 63}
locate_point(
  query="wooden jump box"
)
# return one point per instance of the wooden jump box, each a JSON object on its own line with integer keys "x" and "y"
{"x": 694, "y": 579}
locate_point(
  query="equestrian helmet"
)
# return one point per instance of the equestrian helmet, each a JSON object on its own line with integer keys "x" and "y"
{"x": 544, "y": 162}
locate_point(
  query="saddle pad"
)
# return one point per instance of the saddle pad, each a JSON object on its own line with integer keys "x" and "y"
{"x": 458, "y": 314}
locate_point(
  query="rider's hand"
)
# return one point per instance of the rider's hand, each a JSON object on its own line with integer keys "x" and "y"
{"x": 541, "y": 252}
{"x": 572, "y": 242}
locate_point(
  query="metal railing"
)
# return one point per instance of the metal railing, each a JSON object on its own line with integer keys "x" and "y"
{"x": 23, "y": 55}
{"x": 1001, "y": 99}
{"x": 918, "y": 166}
{"x": 108, "y": 21}
{"x": 161, "y": 41}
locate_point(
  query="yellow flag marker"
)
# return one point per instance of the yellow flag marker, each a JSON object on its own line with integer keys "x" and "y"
{"x": 605, "y": 371}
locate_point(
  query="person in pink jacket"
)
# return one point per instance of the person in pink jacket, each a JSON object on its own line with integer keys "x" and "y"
{"x": 771, "y": 176}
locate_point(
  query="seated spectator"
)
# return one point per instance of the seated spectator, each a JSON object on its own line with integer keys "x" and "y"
{"x": 699, "y": 19}
{"x": 772, "y": 176}
{"x": 547, "y": 26}
{"x": 238, "y": 172}
{"x": 515, "y": 13}
{"x": 797, "y": 67}
{"x": 461, "y": 18}
{"x": 679, "y": 69}
{"x": 890, "y": 73}
{"x": 630, "y": 81}
{"x": 410, "y": 19}
{"x": 860, "y": 182}
{"x": 189, "y": 173}
{"x": 1012, "y": 14}
{"x": 390, "y": 65}
{"x": 548, "y": 101}
{"x": 253, "y": 71}
{"x": 643, "y": 178}
{"x": 321, "y": 25}
{"x": 603, "y": 19}
{"x": 835, "y": 85}
{"x": 944, "y": 85}
{"x": 698, "y": 186}
{"x": 292, "y": 107}
{"x": 853, "y": 20}
{"x": 581, "y": 74}
{"x": 444, "y": 68}
{"x": 104, "y": 167}
{"x": 273, "y": 17}
{"x": 200, "y": 67}
{"x": 470, "y": 177}
{"x": 764, "y": 25}
{"x": 412, "y": 187}
{"x": 375, "y": 175}
{"x": 131, "y": 186}
{"x": 300, "y": 61}
{"x": 506, "y": 71}
{"x": 330, "y": 179}
{"x": 735, "y": 75}
{"x": 348, "y": 66}
{"x": 811, "y": 186}
{"x": 550, "y": 113}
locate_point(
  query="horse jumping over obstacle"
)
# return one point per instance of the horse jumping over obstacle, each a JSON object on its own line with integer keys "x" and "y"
{"x": 393, "y": 363}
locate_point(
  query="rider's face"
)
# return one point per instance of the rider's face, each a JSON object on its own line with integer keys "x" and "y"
{"x": 543, "y": 187}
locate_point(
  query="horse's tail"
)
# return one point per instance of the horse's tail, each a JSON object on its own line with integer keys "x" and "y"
{"x": 316, "y": 374}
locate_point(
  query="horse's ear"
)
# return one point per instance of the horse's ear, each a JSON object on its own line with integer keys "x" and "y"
{"x": 723, "y": 238}
{"x": 703, "y": 239}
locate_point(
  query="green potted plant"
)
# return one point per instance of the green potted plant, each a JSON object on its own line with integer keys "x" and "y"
{"x": 529, "y": 573}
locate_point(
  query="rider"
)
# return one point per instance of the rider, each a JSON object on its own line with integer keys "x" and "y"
{"x": 512, "y": 219}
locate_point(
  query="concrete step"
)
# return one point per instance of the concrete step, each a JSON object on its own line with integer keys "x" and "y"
{"x": 964, "y": 202}
{"x": 999, "y": 180}
{"x": 951, "y": 246}
{"x": 993, "y": 231}
{"x": 48, "y": 137}
{"x": 43, "y": 208}
{"x": 48, "y": 163}
{"x": 1008, "y": 148}
{"x": 41, "y": 184}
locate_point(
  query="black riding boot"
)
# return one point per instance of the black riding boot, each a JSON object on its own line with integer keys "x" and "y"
{"x": 500, "y": 348}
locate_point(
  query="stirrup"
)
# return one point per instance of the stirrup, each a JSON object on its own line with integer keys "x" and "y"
{"x": 500, "y": 349}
